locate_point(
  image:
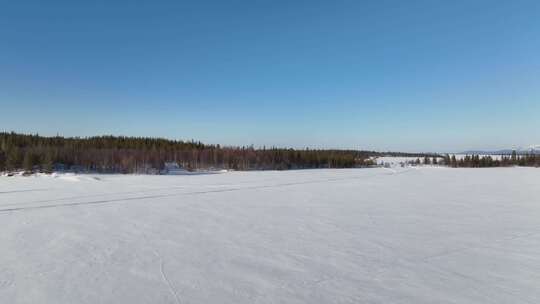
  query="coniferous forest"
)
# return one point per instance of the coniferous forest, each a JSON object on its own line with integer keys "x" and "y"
{"x": 120, "y": 154}
{"x": 476, "y": 161}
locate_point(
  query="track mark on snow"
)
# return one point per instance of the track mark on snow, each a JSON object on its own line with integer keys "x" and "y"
{"x": 126, "y": 199}
{"x": 19, "y": 191}
{"x": 6, "y": 279}
{"x": 165, "y": 278}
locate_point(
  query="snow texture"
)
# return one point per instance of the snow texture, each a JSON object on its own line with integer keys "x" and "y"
{"x": 398, "y": 235}
{"x": 394, "y": 161}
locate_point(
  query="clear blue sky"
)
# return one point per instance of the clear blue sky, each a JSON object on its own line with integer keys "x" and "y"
{"x": 387, "y": 75}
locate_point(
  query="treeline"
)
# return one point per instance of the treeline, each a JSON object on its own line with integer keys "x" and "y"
{"x": 476, "y": 161}
{"x": 119, "y": 154}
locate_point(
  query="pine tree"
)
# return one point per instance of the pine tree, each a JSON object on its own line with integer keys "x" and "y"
{"x": 2, "y": 161}
{"x": 453, "y": 161}
{"x": 28, "y": 162}
{"x": 47, "y": 164}
{"x": 4, "y": 146}
{"x": 514, "y": 157}
{"x": 447, "y": 160}
{"x": 13, "y": 158}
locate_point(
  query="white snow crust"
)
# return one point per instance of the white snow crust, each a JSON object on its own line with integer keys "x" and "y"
{"x": 399, "y": 235}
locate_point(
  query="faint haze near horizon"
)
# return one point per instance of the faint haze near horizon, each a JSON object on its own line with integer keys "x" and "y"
{"x": 415, "y": 76}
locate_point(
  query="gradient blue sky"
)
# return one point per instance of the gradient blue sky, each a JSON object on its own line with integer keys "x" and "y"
{"x": 386, "y": 75}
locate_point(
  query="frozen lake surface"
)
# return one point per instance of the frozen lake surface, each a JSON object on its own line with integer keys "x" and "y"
{"x": 401, "y": 235}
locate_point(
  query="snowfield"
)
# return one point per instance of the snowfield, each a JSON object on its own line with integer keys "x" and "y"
{"x": 394, "y": 161}
{"x": 399, "y": 235}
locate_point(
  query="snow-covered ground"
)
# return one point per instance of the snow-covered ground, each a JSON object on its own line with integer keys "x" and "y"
{"x": 399, "y": 235}
{"x": 394, "y": 161}
{"x": 398, "y": 161}
{"x": 494, "y": 157}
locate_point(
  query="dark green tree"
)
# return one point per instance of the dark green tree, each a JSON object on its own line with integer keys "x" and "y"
{"x": 13, "y": 159}
{"x": 2, "y": 161}
{"x": 47, "y": 163}
{"x": 28, "y": 162}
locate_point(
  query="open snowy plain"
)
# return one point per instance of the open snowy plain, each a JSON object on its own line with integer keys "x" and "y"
{"x": 400, "y": 235}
